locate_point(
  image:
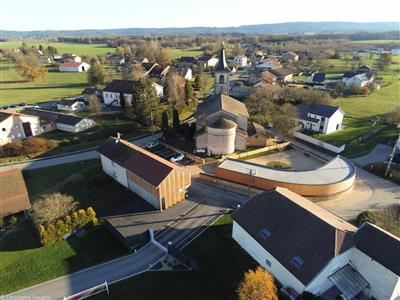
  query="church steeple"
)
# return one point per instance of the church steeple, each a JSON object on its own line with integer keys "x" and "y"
{"x": 221, "y": 73}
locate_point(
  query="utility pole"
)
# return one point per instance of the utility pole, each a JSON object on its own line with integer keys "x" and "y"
{"x": 392, "y": 155}
{"x": 251, "y": 174}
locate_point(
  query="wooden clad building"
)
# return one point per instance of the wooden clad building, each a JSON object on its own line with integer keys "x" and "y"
{"x": 158, "y": 181}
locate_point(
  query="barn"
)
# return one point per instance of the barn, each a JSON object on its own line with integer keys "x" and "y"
{"x": 158, "y": 181}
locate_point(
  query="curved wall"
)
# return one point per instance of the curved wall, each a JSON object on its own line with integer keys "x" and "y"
{"x": 221, "y": 141}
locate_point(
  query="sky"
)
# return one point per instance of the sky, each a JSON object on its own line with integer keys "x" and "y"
{"x": 107, "y": 14}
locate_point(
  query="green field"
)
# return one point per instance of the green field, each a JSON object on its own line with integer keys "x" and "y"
{"x": 13, "y": 89}
{"x": 377, "y": 42}
{"x": 221, "y": 262}
{"x": 24, "y": 262}
{"x": 75, "y": 48}
{"x": 177, "y": 53}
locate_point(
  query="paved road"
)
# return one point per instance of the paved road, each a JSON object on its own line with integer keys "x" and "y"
{"x": 213, "y": 201}
{"x": 380, "y": 153}
{"x": 65, "y": 159}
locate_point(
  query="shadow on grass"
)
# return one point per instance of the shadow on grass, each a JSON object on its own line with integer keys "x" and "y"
{"x": 42, "y": 87}
{"x": 23, "y": 237}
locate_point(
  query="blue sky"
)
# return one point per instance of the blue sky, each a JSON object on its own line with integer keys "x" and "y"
{"x": 100, "y": 14}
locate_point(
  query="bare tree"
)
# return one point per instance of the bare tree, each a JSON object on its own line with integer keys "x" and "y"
{"x": 52, "y": 207}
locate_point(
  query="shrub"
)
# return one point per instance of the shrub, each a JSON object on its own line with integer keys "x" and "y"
{"x": 29, "y": 146}
{"x": 366, "y": 216}
{"x": 13, "y": 221}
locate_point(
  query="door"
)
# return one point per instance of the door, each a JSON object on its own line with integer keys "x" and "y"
{"x": 27, "y": 129}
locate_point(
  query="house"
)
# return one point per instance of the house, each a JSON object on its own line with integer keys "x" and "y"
{"x": 183, "y": 72}
{"x": 316, "y": 78}
{"x": 148, "y": 67}
{"x": 207, "y": 61}
{"x": 320, "y": 118}
{"x": 115, "y": 59}
{"x": 395, "y": 51}
{"x": 221, "y": 125}
{"x": 364, "y": 69}
{"x": 283, "y": 74}
{"x": 269, "y": 63}
{"x": 185, "y": 62}
{"x": 53, "y": 120}
{"x": 238, "y": 89}
{"x": 240, "y": 60}
{"x": 74, "y": 67}
{"x": 15, "y": 126}
{"x": 290, "y": 56}
{"x": 358, "y": 78}
{"x": 258, "y": 136}
{"x": 71, "y": 105}
{"x": 158, "y": 181}
{"x": 259, "y": 56}
{"x": 13, "y": 193}
{"x": 307, "y": 248}
{"x": 268, "y": 77}
{"x": 69, "y": 57}
{"x": 118, "y": 91}
{"x": 159, "y": 71}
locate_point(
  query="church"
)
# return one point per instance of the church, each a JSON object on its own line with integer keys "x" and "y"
{"x": 221, "y": 121}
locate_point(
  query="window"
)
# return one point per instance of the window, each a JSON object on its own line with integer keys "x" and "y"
{"x": 322, "y": 118}
{"x": 267, "y": 262}
{"x": 321, "y": 127}
{"x": 221, "y": 79}
{"x": 16, "y": 125}
{"x": 12, "y": 136}
{"x": 113, "y": 163}
{"x": 298, "y": 261}
{"x": 3, "y": 129}
{"x": 265, "y": 233}
{"x": 19, "y": 135}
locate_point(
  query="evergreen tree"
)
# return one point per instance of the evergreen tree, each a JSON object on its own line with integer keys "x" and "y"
{"x": 188, "y": 91}
{"x": 164, "y": 123}
{"x": 175, "y": 120}
{"x": 96, "y": 75}
{"x": 147, "y": 103}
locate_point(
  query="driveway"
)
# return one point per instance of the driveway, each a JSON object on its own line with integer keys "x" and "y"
{"x": 380, "y": 153}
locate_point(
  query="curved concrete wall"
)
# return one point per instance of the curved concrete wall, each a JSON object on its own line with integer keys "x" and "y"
{"x": 306, "y": 188}
{"x": 221, "y": 141}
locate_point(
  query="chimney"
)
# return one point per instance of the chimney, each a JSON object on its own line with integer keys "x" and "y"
{"x": 118, "y": 138}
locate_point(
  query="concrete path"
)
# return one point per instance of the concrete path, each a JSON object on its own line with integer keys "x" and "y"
{"x": 380, "y": 153}
{"x": 69, "y": 158}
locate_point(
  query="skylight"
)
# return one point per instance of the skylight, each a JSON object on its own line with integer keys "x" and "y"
{"x": 265, "y": 233}
{"x": 298, "y": 261}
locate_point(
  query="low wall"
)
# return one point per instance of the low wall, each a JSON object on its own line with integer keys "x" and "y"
{"x": 192, "y": 157}
{"x": 319, "y": 143}
{"x": 258, "y": 151}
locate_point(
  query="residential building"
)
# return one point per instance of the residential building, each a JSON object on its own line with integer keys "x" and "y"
{"x": 15, "y": 126}
{"x": 69, "y": 57}
{"x": 52, "y": 120}
{"x": 186, "y": 73}
{"x": 115, "y": 59}
{"x": 268, "y": 63}
{"x": 185, "y": 62}
{"x": 290, "y": 56}
{"x": 320, "y": 118}
{"x": 158, "y": 181}
{"x": 307, "y": 248}
{"x": 71, "y": 105}
{"x": 74, "y": 67}
{"x": 13, "y": 193}
{"x": 90, "y": 91}
{"x": 316, "y": 78}
{"x": 258, "y": 136}
{"x": 208, "y": 61}
{"x": 221, "y": 74}
{"x": 358, "y": 78}
{"x": 283, "y": 74}
{"x": 148, "y": 67}
{"x": 268, "y": 77}
{"x": 117, "y": 92}
{"x": 240, "y": 60}
{"x": 221, "y": 125}
{"x": 159, "y": 71}
{"x": 395, "y": 51}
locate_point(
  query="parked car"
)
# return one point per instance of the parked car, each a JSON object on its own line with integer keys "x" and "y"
{"x": 13, "y": 105}
{"x": 36, "y": 106}
{"x": 178, "y": 158}
{"x": 152, "y": 145}
{"x": 22, "y": 104}
{"x": 6, "y": 107}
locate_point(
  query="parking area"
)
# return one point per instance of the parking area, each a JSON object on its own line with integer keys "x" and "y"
{"x": 168, "y": 154}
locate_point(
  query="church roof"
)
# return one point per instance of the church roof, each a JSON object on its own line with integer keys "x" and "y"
{"x": 220, "y": 102}
{"x": 222, "y": 66}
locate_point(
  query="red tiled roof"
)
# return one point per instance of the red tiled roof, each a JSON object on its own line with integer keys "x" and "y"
{"x": 71, "y": 64}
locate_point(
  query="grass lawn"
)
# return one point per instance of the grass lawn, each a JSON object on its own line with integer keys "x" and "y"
{"x": 221, "y": 266}
{"x": 76, "y": 48}
{"x": 177, "y": 53}
{"x": 24, "y": 262}
{"x": 13, "y": 89}
{"x": 278, "y": 165}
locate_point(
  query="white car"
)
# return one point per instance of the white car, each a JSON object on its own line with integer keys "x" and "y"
{"x": 178, "y": 158}
{"x": 152, "y": 144}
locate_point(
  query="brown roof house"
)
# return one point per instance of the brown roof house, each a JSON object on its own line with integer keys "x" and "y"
{"x": 158, "y": 181}
{"x": 258, "y": 136}
{"x": 307, "y": 248}
{"x": 13, "y": 193}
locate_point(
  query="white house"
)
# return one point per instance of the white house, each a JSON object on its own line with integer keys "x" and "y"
{"x": 240, "y": 60}
{"x": 16, "y": 126}
{"x": 74, "y": 67}
{"x": 69, "y": 57}
{"x": 184, "y": 72}
{"x": 269, "y": 63}
{"x": 395, "y": 51}
{"x": 358, "y": 79}
{"x": 208, "y": 61}
{"x": 71, "y": 105}
{"x": 118, "y": 90}
{"x": 290, "y": 56}
{"x": 53, "y": 120}
{"x": 307, "y": 248}
{"x": 320, "y": 118}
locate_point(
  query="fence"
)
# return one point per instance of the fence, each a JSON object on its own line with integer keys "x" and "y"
{"x": 319, "y": 143}
{"x": 258, "y": 151}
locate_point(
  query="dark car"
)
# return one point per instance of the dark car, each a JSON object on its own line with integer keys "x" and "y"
{"x": 22, "y": 104}
{"x": 13, "y": 105}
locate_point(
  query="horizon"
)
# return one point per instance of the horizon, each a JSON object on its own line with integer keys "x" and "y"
{"x": 104, "y": 14}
